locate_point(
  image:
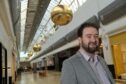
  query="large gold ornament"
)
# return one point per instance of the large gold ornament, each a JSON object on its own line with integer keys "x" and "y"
{"x": 30, "y": 54}
{"x": 37, "y": 47}
{"x": 61, "y": 15}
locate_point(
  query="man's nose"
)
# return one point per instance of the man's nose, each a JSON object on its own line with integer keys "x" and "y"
{"x": 93, "y": 39}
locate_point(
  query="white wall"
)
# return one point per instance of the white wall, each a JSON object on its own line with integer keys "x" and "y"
{"x": 113, "y": 28}
{"x": 7, "y": 37}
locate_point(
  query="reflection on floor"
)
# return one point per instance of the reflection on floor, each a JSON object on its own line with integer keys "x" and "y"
{"x": 34, "y": 78}
{"x": 120, "y": 81}
{"x": 51, "y": 78}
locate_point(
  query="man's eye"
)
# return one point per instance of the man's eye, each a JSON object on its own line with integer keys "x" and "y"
{"x": 96, "y": 36}
{"x": 88, "y": 36}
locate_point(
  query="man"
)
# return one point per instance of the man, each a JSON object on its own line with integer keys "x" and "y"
{"x": 86, "y": 67}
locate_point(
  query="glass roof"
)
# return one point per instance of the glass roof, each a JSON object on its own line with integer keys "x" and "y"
{"x": 46, "y": 27}
{"x": 23, "y": 19}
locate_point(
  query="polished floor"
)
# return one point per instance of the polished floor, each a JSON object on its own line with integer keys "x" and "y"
{"x": 34, "y": 78}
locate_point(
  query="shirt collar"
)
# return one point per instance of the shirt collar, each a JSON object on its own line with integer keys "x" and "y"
{"x": 87, "y": 57}
{"x": 84, "y": 54}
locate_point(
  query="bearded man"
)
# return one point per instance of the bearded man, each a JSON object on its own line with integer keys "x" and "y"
{"x": 86, "y": 67}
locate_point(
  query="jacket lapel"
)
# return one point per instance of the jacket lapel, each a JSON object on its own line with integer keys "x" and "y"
{"x": 88, "y": 68}
{"x": 106, "y": 70}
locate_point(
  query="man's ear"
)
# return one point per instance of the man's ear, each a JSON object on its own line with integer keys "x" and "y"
{"x": 79, "y": 39}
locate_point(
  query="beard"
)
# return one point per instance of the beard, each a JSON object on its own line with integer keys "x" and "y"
{"x": 89, "y": 49}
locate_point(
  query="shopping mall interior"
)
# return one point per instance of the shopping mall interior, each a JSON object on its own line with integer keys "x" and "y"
{"x": 36, "y": 36}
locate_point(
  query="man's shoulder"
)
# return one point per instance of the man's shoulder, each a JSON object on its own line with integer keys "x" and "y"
{"x": 73, "y": 58}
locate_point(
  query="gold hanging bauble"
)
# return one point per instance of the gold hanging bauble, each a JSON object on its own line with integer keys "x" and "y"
{"x": 30, "y": 54}
{"x": 61, "y": 15}
{"x": 37, "y": 47}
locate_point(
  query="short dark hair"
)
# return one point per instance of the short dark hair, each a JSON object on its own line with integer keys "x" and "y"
{"x": 84, "y": 25}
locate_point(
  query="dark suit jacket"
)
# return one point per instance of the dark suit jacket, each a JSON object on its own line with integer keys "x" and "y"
{"x": 76, "y": 70}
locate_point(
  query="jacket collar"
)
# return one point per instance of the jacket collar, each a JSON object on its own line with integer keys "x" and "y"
{"x": 87, "y": 66}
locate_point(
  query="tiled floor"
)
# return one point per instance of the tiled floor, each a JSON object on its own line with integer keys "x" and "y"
{"x": 31, "y": 78}
{"x": 34, "y": 78}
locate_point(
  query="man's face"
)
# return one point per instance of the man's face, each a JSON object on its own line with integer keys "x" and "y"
{"x": 89, "y": 40}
